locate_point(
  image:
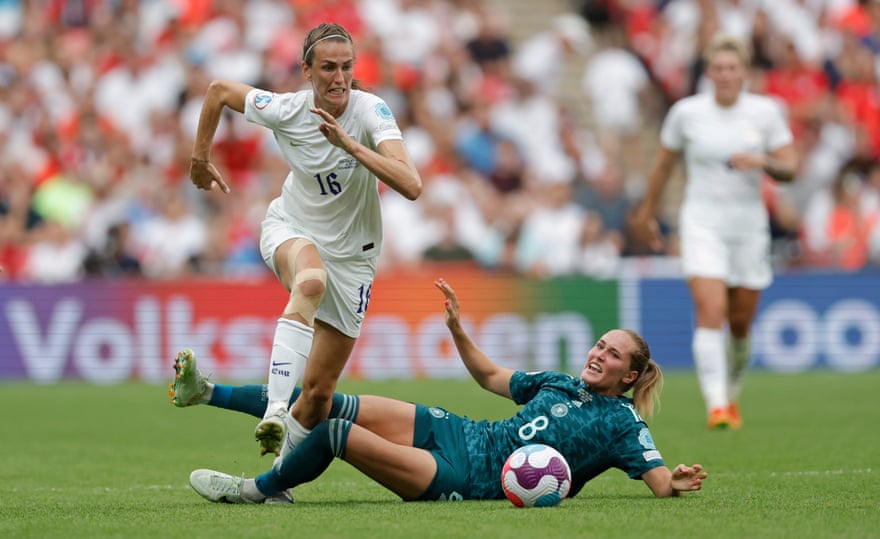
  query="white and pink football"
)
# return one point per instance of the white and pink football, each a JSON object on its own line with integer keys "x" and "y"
{"x": 536, "y": 475}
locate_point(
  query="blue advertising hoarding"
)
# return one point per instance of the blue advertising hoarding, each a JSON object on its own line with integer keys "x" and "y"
{"x": 803, "y": 322}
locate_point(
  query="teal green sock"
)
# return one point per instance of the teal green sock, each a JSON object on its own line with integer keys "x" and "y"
{"x": 220, "y": 396}
{"x": 345, "y": 406}
{"x": 252, "y": 400}
{"x": 309, "y": 458}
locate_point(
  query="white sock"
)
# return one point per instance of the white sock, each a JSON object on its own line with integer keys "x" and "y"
{"x": 296, "y": 433}
{"x": 711, "y": 362}
{"x": 290, "y": 350}
{"x": 205, "y": 397}
{"x": 738, "y": 355}
{"x": 249, "y": 491}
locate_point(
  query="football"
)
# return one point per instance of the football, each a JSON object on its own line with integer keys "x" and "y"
{"x": 536, "y": 475}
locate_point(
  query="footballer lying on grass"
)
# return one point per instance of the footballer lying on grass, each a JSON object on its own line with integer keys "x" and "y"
{"x": 427, "y": 453}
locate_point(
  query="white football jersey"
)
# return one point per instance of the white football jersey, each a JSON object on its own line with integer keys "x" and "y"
{"x": 328, "y": 193}
{"x": 717, "y": 196}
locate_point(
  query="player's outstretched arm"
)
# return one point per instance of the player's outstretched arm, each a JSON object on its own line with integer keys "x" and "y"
{"x": 489, "y": 375}
{"x": 220, "y": 94}
{"x": 664, "y": 482}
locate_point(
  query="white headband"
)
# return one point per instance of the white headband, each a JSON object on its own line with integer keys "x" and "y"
{"x": 306, "y": 55}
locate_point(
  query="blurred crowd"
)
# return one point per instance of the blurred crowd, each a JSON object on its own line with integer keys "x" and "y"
{"x": 99, "y": 102}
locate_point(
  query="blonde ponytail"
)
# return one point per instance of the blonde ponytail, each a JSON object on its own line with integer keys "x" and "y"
{"x": 647, "y": 388}
{"x": 648, "y": 385}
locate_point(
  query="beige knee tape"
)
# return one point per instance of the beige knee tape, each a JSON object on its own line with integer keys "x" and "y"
{"x": 306, "y": 306}
{"x": 295, "y": 247}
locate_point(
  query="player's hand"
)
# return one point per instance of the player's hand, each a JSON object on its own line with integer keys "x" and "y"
{"x": 686, "y": 478}
{"x": 453, "y": 312}
{"x": 646, "y": 230}
{"x": 332, "y": 131}
{"x": 746, "y": 161}
{"x": 204, "y": 175}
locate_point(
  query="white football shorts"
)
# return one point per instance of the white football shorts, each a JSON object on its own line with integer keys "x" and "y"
{"x": 349, "y": 282}
{"x": 739, "y": 261}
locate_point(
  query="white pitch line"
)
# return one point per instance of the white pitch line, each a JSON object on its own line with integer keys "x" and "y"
{"x": 824, "y": 472}
{"x": 795, "y": 473}
{"x": 100, "y": 489}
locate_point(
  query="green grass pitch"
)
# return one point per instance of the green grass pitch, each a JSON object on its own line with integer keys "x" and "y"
{"x": 113, "y": 461}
